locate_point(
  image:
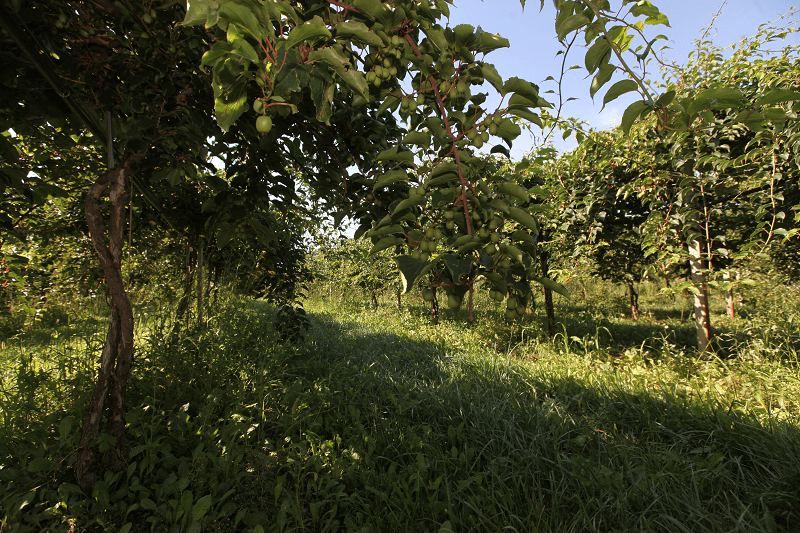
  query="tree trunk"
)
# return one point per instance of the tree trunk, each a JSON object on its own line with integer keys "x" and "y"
{"x": 701, "y": 311}
{"x": 188, "y": 284}
{"x": 583, "y": 290}
{"x": 634, "y": 301}
{"x": 548, "y": 296}
{"x": 116, "y": 357}
{"x": 730, "y": 304}
{"x": 435, "y": 307}
{"x": 200, "y": 285}
{"x": 470, "y": 315}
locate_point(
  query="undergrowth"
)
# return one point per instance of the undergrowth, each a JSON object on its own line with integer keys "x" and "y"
{"x": 381, "y": 421}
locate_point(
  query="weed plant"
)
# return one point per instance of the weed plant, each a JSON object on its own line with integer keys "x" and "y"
{"x": 382, "y": 421}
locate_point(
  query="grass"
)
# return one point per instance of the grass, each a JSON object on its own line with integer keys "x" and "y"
{"x": 381, "y": 421}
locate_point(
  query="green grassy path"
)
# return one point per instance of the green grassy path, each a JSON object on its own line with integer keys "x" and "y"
{"x": 381, "y": 421}
{"x": 554, "y": 443}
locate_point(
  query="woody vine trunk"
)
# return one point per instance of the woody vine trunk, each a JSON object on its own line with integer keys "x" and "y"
{"x": 116, "y": 357}
{"x": 544, "y": 262}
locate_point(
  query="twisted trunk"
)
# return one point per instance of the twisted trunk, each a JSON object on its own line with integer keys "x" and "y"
{"x": 116, "y": 357}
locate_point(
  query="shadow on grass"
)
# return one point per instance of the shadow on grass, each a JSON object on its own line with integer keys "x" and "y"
{"x": 533, "y": 451}
{"x": 360, "y": 429}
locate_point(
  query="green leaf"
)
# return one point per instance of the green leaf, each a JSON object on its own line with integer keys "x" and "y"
{"x": 40, "y": 464}
{"x": 517, "y": 100}
{"x": 458, "y": 266}
{"x": 340, "y": 65}
{"x": 197, "y": 12}
{"x": 200, "y": 508}
{"x": 604, "y": 74}
{"x": 619, "y": 88}
{"x": 436, "y": 37}
{"x": 409, "y": 202}
{"x": 245, "y": 50}
{"x": 464, "y": 33}
{"x": 386, "y": 242}
{"x": 500, "y": 149}
{"x": 498, "y": 281}
{"x": 394, "y": 154}
{"x": 491, "y": 75}
{"x": 521, "y": 87}
{"x": 391, "y": 102}
{"x": 7, "y": 150}
{"x": 292, "y": 80}
{"x": 331, "y": 57}
{"x": 436, "y": 126}
{"x": 242, "y": 16}
{"x": 358, "y": 31}
{"x": 393, "y": 176}
{"x": 527, "y": 114}
{"x": 186, "y": 501}
{"x": 571, "y": 24}
{"x": 513, "y": 252}
{"x": 550, "y": 284}
{"x": 420, "y": 138}
{"x": 46, "y": 190}
{"x": 229, "y": 106}
{"x": 363, "y": 228}
{"x": 64, "y": 427}
{"x": 441, "y": 178}
{"x": 492, "y": 41}
{"x": 719, "y": 98}
{"x": 596, "y": 54}
{"x": 411, "y": 270}
{"x": 522, "y": 236}
{"x": 644, "y": 8}
{"x": 508, "y": 131}
{"x": 23, "y": 502}
{"x": 665, "y": 99}
{"x": 777, "y": 96}
{"x": 722, "y": 93}
{"x": 513, "y": 189}
{"x": 500, "y": 205}
{"x": 372, "y": 8}
{"x": 380, "y": 231}
{"x": 322, "y": 94}
{"x": 225, "y": 233}
{"x": 631, "y": 114}
{"x": 445, "y": 167}
{"x": 464, "y": 239}
{"x": 305, "y": 32}
{"x": 524, "y": 218}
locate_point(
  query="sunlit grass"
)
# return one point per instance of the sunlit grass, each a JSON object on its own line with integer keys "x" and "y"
{"x": 383, "y": 421}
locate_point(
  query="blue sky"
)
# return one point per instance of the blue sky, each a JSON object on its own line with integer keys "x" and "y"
{"x": 532, "y": 55}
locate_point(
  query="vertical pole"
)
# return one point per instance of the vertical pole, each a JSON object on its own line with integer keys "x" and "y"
{"x": 730, "y": 305}
{"x": 188, "y": 288}
{"x": 701, "y": 316}
{"x": 109, "y": 141}
{"x": 544, "y": 263}
{"x": 200, "y": 283}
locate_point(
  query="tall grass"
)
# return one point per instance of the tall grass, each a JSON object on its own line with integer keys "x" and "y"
{"x": 381, "y": 421}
